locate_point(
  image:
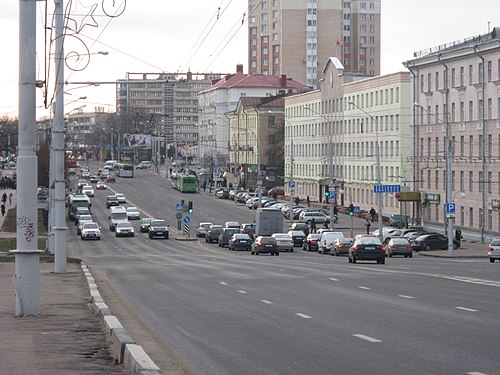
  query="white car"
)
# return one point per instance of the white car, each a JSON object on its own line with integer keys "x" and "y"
{"x": 250, "y": 203}
{"x": 90, "y": 230}
{"x": 494, "y": 250}
{"x": 88, "y": 190}
{"x": 202, "y": 229}
{"x": 121, "y": 198}
{"x": 133, "y": 213}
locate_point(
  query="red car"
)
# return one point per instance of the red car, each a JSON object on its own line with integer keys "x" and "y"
{"x": 110, "y": 178}
{"x": 275, "y": 191}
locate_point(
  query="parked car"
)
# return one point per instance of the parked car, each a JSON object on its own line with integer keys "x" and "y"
{"x": 144, "y": 225}
{"x": 399, "y": 246}
{"x": 213, "y": 233}
{"x": 367, "y": 248}
{"x": 276, "y": 191}
{"x": 398, "y": 221}
{"x": 284, "y": 240}
{"x": 248, "y": 229}
{"x": 144, "y": 165}
{"x": 226, "y": 234}
{"x": 124, "y": 229}
{"x": 111, "y": 200}
{"x": 202, "y": 229}
{"x": 326, "y": 240}
{"x": 251, "y": 203}
{"x": 90, "y": 230}
{"x": 341, "y": 246}
{"x": 307, "y": 216}
{"x": 494, "y": 250}
{"x": 222, "y": 193}
{"x": 158, "y": 228}
{"x": 312, "y": 242}
{"x": 431, "y": 241}
{"x": 240, "y": 241}
{"x": 298, "y": 237}
{"x": 133, "y": 213}
{"x": 264, "y": 244}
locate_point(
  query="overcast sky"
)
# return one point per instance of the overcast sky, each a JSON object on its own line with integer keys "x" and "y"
{"x": 165, "y": 35}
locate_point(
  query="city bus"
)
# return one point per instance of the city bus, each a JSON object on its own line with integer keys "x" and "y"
{"x": 124, "y": 170}
{"x": 185, "y": 183}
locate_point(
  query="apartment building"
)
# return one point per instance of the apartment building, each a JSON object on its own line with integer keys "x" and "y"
{"x": 294, "y": 37}
{"x": 457, "y": 120}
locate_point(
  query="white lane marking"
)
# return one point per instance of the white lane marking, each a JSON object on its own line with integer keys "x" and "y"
{"x": 267, "y": 302}
{"x": 242, "y": 292}
{"x": 475, "y": 373}
{"x": 223, "y": 283}
{"x": 333, "y": 279}
{"x": 364, "y": 287}
{"x": 465, "y": 309}
{"x": 405, "y": 296}
{"x": 367, "y": 338}
{"x": 303, "y": 316}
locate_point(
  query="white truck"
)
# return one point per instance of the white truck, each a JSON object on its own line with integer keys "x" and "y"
{"x": 268, "y": 221}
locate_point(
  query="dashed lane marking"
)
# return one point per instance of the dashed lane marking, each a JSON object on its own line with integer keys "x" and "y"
{"x": 333, "y": 279}
{"x": 242, "y": 292}
{"x": 266, "y": 302}
{"x": 303, "y": 316}
{"x": 223, "y": 283}
{"x": 367, "y": 338}
{"x": 405, "y": 296}
{"x": 465, "y": 309}
{"x": 364, "y": 287}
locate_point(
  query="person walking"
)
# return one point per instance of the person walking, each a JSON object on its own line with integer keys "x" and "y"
{"x": 3, "y": 209}
{"x": 313, "y": 226}
{"x": 458, "y": 236}
{"x": 10, "y": 199}
{"x": 4, "y": 198}
{"x": 308, "y": 201}
{"x": 372, "y": 214}
{"x": 367, "y": 225}
{"x": 297, "y": 200}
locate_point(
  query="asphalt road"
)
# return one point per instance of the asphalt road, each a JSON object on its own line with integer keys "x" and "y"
{"x": 223, "y": 312}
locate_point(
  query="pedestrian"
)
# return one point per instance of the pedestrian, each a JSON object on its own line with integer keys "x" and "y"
{"x": 372, "y": 214}
{"x": 4, "y": 198}
{"x": 204, "y": 187}
{"x": 313, "y": 226}
{"x": 458, "y": 235}
{"x": 367, "y": 225}
{"x": 10, "y": 199}
{"x": 308, "y": 201}
{"x": 297, "y": 201}
{"x": 3, "y": 209}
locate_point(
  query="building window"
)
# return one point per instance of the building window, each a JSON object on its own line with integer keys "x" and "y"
{"x": 471, "y": 70}
{"x": 471, "y": 217}
{"x": 471, "y": 110}
{"x": 490, "y": 73}
{"x": 471, "y": 181}
{"x": 480, "y": 73}
{"x": 462, "y": 75}
{"x": 462, "y": 145}
{"x": 480, "y": 182}
{"x": 462, "y": 178}
{"x": 490, "y": 182}
{"x": 471, "y": 146}
{"x": 453, "y": 77}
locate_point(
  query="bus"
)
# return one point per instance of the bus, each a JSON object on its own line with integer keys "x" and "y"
{"x": 185, "y": 183}
{"x": 75, "y": 201}
{"x": 124, "y": 170}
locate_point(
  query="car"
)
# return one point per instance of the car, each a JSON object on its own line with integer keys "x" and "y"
{"x": 85, "y": 174}
{"x": 225, "y": 234}
{"x": 82, "y": 220}
{"x": 265, "y": 245}
{"x": 158, "y": 228}
{"x": 251, "y": 203}
{"x": 367, "y": 248}
{"x": 275, "y": 191}
{"x": 413, "y": 235}
{"x": 100, "y": 186}
{"x": 307, "y": 216}
{"x": 398, "y": 221}
{"x": 202, "y": 229}
{"x": 124, "y": 229}
{"x": 80, "y": 212}
{"x": 111, "y": 200}
{"x": 144, "y": 225}
{"x": 81, "y": 183}
{"x": 240, "y": 241}
{"x": 300, "y": 226}
{"x": 90, "y": 230}
{"x": 104, "y": 173}
{"x": 144, "y": 165}
{"x": 232, "y": 224}
{"x": 298, "y": 237}
{"x": 213, "y": 233}
{"x": 494, "y": 250}
{"x": 110, "y": 178}
{"x": 399, "y": 246}
{"x": 222, "y": 193}
{"x": 88, "y": 190}
{"x": 284, "y": 240}
{"x": 248, "y": 228}
{"x": 121, "y": 198}
{"x": 133, "y": 213}
{"x": 431, "y": 241}
{"x": 311, "y": 242}
{"x": 341, "y": 246}
{"x": 326, "y": 240}
{"x": 94, "y": 179}
{"x": 42, "y": 193}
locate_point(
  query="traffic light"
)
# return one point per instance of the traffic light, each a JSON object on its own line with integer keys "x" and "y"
{"x": 351, "y": 210}
{"x": 327, "y": 191}
{"x": 190, "y": 209}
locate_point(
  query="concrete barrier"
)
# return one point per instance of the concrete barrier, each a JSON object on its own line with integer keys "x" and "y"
{"x": 136, "y": 361}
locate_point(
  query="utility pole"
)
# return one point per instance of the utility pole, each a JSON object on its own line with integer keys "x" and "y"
{"x": 292, "y": 183}
{"x": 27, "y": 256}
{"x": 334, "y": 198}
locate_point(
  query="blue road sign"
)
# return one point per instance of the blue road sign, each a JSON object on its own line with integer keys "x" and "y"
{"x": 186, "y": 219}
{"x": 386, "y": 188}
{"x": 292, "y": 184}
{"x": 178, "y": 206}
{"x": 357, "y": 210}
{"x": 450, "y": 208}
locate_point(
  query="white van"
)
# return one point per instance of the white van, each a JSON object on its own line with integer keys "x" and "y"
{"x": 117, "y": 214}
{"x": 327, "y": 238}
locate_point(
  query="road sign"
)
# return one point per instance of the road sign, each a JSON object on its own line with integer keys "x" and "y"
{"x": 291, "y": 185}
{"x": 386, "y": 188}
{"x": 178, "y": 206}
{"x": 178, "y": 216}
{"x": 186, "y": 219}
{"x": 357, "y": 210}
{"x": 450, "y": 208}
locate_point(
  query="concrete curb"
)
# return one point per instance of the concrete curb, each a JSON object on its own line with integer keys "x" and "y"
{"x": 135, "y": 360}
{"x": 453, "y": 256}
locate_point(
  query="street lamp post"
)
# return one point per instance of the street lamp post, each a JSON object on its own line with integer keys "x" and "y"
{"x": 351, "y": 216}
{"x": 379, "y": 182}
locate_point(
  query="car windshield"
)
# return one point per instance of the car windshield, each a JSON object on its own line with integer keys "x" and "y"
{"x": 369, "y": 241}
{"x": 90, "y": 226}
{"x": 158, "y": 223}
{"x": 85, "y": 217}
{"x": 132, "y": 209}
{"x": 124, "y": 225}
{"x": 146, "y": 220}
{"x": 400, "y": 241}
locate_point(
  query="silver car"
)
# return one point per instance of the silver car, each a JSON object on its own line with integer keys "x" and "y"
{"x": 284, "y": 240}
{"x": 399, "y": 246}
{"x": 494, "y": 250}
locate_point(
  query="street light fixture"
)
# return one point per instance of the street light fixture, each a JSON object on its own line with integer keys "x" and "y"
{"x": 379, "y": 183}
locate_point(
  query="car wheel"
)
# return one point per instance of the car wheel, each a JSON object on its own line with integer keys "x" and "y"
{"x": 382, "y": 261}
{"x": 350, "y": 259}
{"x": 390, "y": 255}
{"x": 427, "y": 248}
{"x": 150, "y": 236}
{"x": 354, "y": 258}
{"x": 492, "y": 260}
{"x": 410, "y": 256}
{"x": 277, "y": 254}
{"x": 84, "y": 238}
